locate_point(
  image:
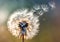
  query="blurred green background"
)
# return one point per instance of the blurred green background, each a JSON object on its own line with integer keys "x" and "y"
{"x": 49, "y": 22}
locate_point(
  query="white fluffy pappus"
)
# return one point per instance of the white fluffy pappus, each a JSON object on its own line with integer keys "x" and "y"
{"x": 23, "y": 15}
{"x": 30, "y": 18}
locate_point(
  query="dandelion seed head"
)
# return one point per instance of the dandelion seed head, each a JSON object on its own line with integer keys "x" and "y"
{"x": 23, "y": 15}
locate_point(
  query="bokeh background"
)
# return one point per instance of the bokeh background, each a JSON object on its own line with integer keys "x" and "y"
{"x": 49, "y": 22}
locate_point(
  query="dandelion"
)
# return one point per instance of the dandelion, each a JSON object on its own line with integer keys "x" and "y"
{"x": 24, "y": 23}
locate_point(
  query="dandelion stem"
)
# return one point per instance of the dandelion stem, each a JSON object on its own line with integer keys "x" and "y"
{"x": 22, "y": 37}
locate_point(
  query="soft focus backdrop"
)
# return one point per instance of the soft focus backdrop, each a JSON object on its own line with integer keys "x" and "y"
{"x": 49, "y": 22}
